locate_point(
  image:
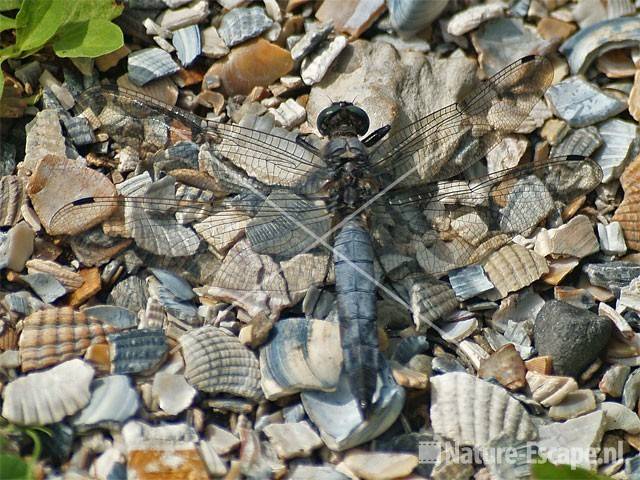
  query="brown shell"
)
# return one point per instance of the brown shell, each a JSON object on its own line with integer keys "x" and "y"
{"x": 55, "y": 335}
{"x": 514, "y": 267}
{"x": 8, "y": 338}
{"x": 12, "y": 196}
{"x": 630, "y": 178}
{"x": 628, "y": 214}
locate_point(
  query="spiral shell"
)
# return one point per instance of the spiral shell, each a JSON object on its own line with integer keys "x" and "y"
{"x": 514, "y": 267}
{"x": 472, "y": 412}
{"x": 216, "y": 362}
{"x": 55, "y": 335}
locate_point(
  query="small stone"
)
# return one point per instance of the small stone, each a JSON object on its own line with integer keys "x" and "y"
{"x": 619, "y": 417}
{"x": 506, "y": 366}
{"x": 184, "y": 17}
{"x": 380, "y": 465}
{"x": 471, "y": 18}
{"x": 616, "y": 64}
{"x": 212, "y": 45}
{"x": 551, "y": 28}
{"x": 18, "y": 247}
{"x": 310, "y": 41}
{"x": 574, "y": 405}
{"x": 222, "y": 440}
{"x": 292, "y": 440}
{"x": 614, "y": 379}
{"x": 581, "y": 103}
{"x": 572, "y": 336}
{"x": 612, "y": 239}
{"x": 289, "y": 114}
{"x": 457, "y": 331}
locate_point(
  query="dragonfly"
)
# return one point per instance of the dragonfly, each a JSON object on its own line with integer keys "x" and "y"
{"x": 284, "y": 211}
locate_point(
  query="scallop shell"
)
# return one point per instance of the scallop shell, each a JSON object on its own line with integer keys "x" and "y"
{"x": 47, "y": 397}
{"x": 150, "y": 64}
{"x": 12, "y": 197}
{"x": 216, "y": 362}
{"x": 514, "y": 267}
{"x": 188, "y": 44}
{"x": 242, "y": 24}
{"x": 69, "y": 279}
{"x": 137, "y": 351}
{"x": 473, "y": 412}
{"x": 301, "y": 355}
{"x": 55, "y": 183}
{"x": 630, "y": 178}
{"x": 430, "y": 300}
{"x": 550, "y": 390}
{"x": 628, "y": 215}
{"x": 55, "y": 335}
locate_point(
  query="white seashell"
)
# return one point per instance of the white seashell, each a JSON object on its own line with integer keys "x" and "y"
{"x": 468, "y": 282}
{"x": 173, "y": 392}
{"x": 315, "y": 66}
{"x": 44, "y": 137}
{"x": 47, "y": 397}
{"x": 150, "y": 64}
{"x": 473, "y": 352}
{"x": 613, "y": 380}
{"x": 619, "y": 139}
{"x": 291, "y": 440}
{"x": 550, "y": 390}
{"x": 212, "y": 45}
{"x": 574, "y": 239}
{"x": 289, "y": 114}
{"x": 619, "y": 417}
{"x": 301, "y": 355}
{"x": 113, "y": 400}
{"x": 514, "y": 267}
{"x": 457, "y": 331}
{"x": 187, "y": 43}
{"x": 183, "y": 17}
{"x": 612, "y": 239}
{"x": 471, "y": 411}
{"x": 379, "y": 465}
{"x": 410, "y": 16}
{"x": 471, "y": 18}
{"x": 310, "y": 41}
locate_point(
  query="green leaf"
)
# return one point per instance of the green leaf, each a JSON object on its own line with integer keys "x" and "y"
{"x": 84, "y": 10}
{"x": 7, "y": 23}
{"x": 88, "y": 39}
{"x": 1, "y": 80}
{"x": 9, "y": 5}
{"x": 543, "y": 470}
{"x": 13, "y": 467}
{"x": 38, "y": 21}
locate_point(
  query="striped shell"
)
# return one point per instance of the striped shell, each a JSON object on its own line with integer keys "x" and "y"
{"x": 514, "y": 267}
{"x": 628, "y": 214}
{"x": 216, "y": 362}
{"x": 431, "y": 300}
{"x": 47, "y": 397}
{"x": 12, "y": 196}
{"x": 69, "y": 279}
{"x": 54, "y": 335}
{"x": 471, "y": 411}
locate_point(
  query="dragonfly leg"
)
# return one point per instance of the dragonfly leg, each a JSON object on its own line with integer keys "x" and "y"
{"x": 376, "y": 136}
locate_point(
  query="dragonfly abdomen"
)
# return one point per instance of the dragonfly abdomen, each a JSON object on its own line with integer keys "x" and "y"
{"x": 356, "y": 290}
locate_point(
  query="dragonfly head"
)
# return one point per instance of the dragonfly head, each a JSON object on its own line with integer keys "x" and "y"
{"x": 343, "y": 118}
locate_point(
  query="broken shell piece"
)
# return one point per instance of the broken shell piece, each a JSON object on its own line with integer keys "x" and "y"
{"x": 628, "y": 216}
{"x": 56, "y": 183}
{"x": 471, "y": 18}
{"x": 173, "y": 392}
{"x": 430, "y": 300}
{"x": 255, "y": 63}
{"x": 289, "y": 114}
{"x": 581, "y": 103}
{"x": 212, "y": 45}
{"x": 575, "y": 404}
{"x": 455, "y": 332}
{"x": 46, "y": 397}
{"x": 574, "y": 239}
{"x": 619, "y": 417}
{"x": 581, "y": 141}
{"x": 192, "y": 14}
{"x": 113, "y": 400}
{"x": 302, "y": 354}
{"x": 44, "y": 137}
{"x": 12, "y": 198}
{"x": 514, "y": 267}
{"x": 292, "y": 440}
{"x": 113, "y": 315}
{"x": 337, "y": 415}
{"x": 351, "y": 17}
{"x": 216, "y": 362}
{"x": 550, "y": 390}
{"x": 69, "y": 279}
{"x": 612, "y": 239}
{"x": 468, "y": 282}
{"x": 315, "y": 66}
{"x": 591, "y": 42}
{"x": 506, "y": 366}
{"x": 471, "y": 411}
{"x": 55, "y": 335}
{"x": 620, "y": 140}
{"x": 242, "y": 24}
{"x": 614, "y": 379}
{"x": 137, "y": 351}
{"x": 310, "y": 40}
{"x": 150, "y": 64}
{"x": 187, "y": 43}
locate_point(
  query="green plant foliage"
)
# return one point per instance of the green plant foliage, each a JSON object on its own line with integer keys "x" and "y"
{"x": 78, "y": 28}
{"x": 12, "y": 466}
{"x": 543, "y": 470}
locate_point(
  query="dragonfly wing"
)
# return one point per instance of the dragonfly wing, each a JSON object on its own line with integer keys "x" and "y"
{"x": 143, "y": 123}
{"x": 448, "y": 141}
{"x": 461, "y": 222}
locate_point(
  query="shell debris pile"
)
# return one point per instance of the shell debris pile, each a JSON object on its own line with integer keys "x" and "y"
{"x": 154, "y": 334}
